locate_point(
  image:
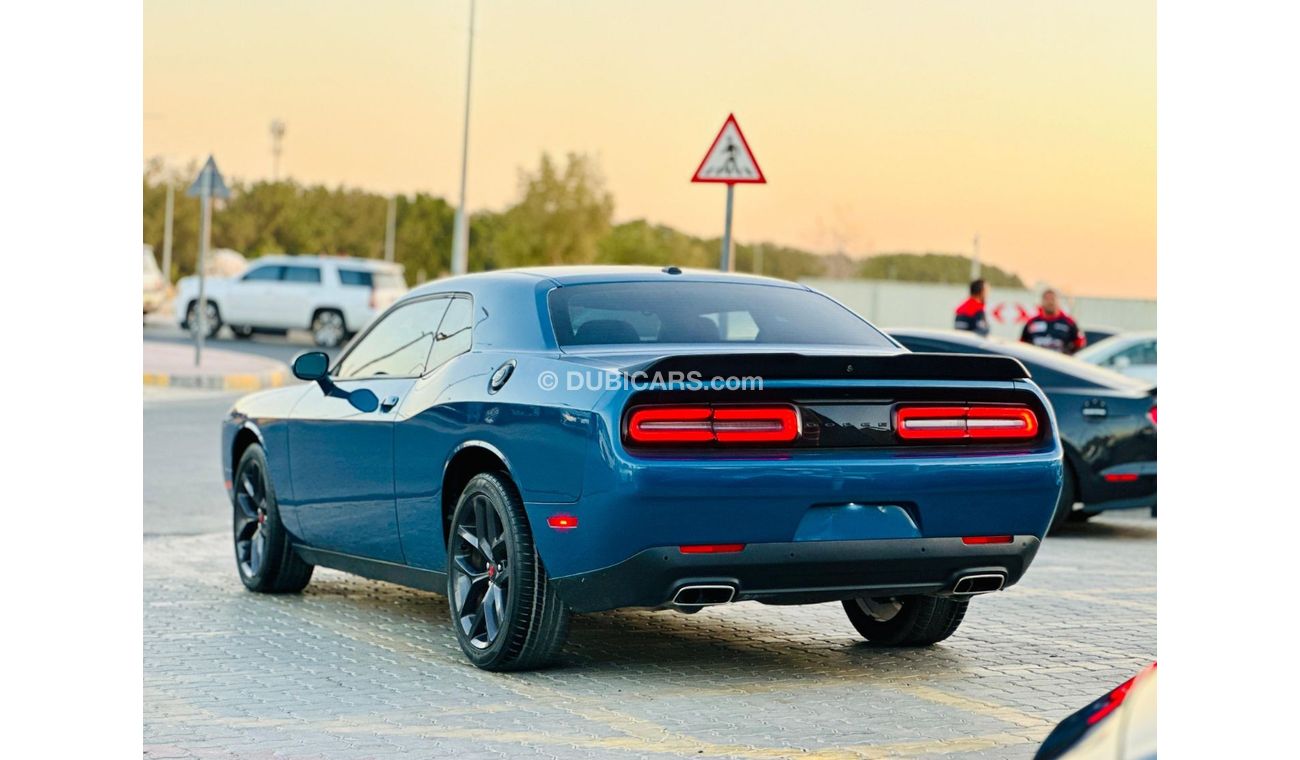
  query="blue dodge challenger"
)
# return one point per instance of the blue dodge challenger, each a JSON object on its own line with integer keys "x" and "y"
{"x": 546, "y": 441}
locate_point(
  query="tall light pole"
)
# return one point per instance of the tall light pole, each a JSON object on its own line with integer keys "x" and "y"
{"x": 460, "y": 234}
{"x": 390, "y": 230}
{"x": 277, "y": 146}
{"x": 975, "y": 261}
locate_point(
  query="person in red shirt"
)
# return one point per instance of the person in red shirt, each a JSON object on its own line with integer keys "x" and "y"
{"x": 1052, "y": 328}
{"x": 970, "y": 315}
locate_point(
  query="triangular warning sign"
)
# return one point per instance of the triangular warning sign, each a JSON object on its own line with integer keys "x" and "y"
{"x": 729, "y": 160}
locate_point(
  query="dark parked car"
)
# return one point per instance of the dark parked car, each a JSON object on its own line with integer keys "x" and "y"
{"x": 1107, "y": 421}
{"x": 535, "y": 442}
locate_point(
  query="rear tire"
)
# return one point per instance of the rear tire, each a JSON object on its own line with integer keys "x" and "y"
{"x": 328, "y": 328}
{"x": 504, "y": 610}
{"x": 264, "y": 554}
{"x": 242, "y": 333}
{"x": 908, "y": 621}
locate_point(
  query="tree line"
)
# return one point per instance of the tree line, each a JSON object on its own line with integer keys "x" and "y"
{"x": 564, "y": 215}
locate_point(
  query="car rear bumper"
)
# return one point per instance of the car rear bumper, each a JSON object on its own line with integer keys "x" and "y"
{"x": 801, "y": 572}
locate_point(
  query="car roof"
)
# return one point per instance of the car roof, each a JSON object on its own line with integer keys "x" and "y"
{"x": 562, "y": 276}
{"x": 354, "y": 262}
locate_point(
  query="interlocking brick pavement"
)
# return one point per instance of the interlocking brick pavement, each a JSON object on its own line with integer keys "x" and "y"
{"x": 354, "y": 668}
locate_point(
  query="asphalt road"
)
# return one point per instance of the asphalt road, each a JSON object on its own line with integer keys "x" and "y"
{"x": 361, "y": 669}
{"x": 280, "y": 347}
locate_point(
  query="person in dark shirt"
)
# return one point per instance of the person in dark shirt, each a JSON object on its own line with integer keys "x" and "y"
{"x": 970, "y": 315}
{"x": 1052, "y": 328}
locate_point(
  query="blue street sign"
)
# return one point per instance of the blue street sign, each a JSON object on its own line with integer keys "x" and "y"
{"x": 210, "y": 182}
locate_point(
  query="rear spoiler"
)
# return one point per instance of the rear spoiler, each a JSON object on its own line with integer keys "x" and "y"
{"x": 910, "y": 366}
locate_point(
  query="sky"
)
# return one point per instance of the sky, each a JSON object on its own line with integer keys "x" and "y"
{"x": 881, "y": 126}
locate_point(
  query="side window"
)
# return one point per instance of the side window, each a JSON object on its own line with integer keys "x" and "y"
{"x": 455, "y": 333}
{"x": 268, "y": 273}
{"x": 353, "y": 277}
{"x": 398, "y": 346}
{"x": 310, "y": 275}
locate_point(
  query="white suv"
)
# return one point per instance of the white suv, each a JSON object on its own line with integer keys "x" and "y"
{"x": 332, "y": 296}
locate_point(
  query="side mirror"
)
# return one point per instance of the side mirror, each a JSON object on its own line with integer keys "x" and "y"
{"x": 315, "y": 366}
{"x": 312, "y": 365}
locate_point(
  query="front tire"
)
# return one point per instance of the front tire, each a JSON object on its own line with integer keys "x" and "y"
{"x": 212, "y": 323}
{"x": 504, "y": 610}
{"x": 906, "y": 621}
{"x": 264, "y": 555}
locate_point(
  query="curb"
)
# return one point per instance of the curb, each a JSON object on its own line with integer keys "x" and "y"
{"x": 246, "y": 381}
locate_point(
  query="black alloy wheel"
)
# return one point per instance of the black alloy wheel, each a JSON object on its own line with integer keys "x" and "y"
{"x": 482, "y": 570}
{"x": 264, "y": 555}
{"x": 504, "y": 610}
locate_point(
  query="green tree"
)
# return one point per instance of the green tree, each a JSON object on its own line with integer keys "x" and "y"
{"x": 560, "y": 218}
{"x": 932, "y": 267}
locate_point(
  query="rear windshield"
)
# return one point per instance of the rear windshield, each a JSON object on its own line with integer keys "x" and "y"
{"x": 631, "y": 313}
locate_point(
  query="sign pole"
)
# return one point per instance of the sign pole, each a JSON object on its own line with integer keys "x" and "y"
{"x": 167, "y": 235}
{"x": 209, "y": 183}
{"x": 729, "y": 161}
{"x": 204, "y": 234}
{"x": 728, "y": 259}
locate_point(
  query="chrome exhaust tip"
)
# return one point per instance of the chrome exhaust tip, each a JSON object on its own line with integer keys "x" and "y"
{"x": 703, "y": 595}
{"x": 970, "y": 585}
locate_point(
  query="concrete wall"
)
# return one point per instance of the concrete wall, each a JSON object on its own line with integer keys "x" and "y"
{"x": 887, "y": 303}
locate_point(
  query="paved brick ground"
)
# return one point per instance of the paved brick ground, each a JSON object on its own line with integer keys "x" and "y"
{"x": 359, "y": 669}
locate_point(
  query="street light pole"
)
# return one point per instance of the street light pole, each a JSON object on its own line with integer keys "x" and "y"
{"x": 460, "y": 235}
{"x": 390, "y": 229}
{"x": 277, "y": 146}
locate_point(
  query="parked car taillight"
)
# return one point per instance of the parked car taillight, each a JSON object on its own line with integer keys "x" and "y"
{"x": 706, "y": 424}
{"x": 1151, "y": 414}
{"x": 374, "y": 299}
{"x": 956, "y": 423}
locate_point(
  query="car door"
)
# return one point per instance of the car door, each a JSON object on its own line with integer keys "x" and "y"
{"x": 250, "y": 300}
{"x": 296, "y": 296}
{"x": 428, "y": 430}
{"x": 341, "y": 457}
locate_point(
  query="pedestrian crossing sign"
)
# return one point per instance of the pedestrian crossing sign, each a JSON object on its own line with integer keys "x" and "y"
{"x": 729, "y": 159}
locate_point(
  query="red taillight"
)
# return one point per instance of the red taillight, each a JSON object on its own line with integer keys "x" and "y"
{"x": 702, "y": 424}
{"x": 986, "y": 539}
{"x": 1121, "y": 477}
{"x": 562, "y": 522}
{"x": 671, "y": 424}
{"x": 1113, "y": 700}
{"x": 954, "y": 423}
{"x": 711, "y": 548}
{"x": 1151, "y": 415}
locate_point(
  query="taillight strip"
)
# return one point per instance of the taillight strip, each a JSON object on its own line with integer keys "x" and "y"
{"x": 965, "y": 422}
{"x": 706, "y": 424}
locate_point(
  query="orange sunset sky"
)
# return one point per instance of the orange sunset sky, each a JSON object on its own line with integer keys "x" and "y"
{"x": 908, "y": 125}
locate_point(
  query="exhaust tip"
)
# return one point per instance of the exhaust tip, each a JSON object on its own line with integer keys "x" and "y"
{"x": 703, "y": 595}
{"x": 979, "y": 584}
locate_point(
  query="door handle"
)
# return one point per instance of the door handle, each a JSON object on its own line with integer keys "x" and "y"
{"x": 388, "y": 404}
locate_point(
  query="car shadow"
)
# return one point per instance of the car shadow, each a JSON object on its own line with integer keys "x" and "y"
{"x": 737, "y": 645}
{"x": 1130, "y": 527}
